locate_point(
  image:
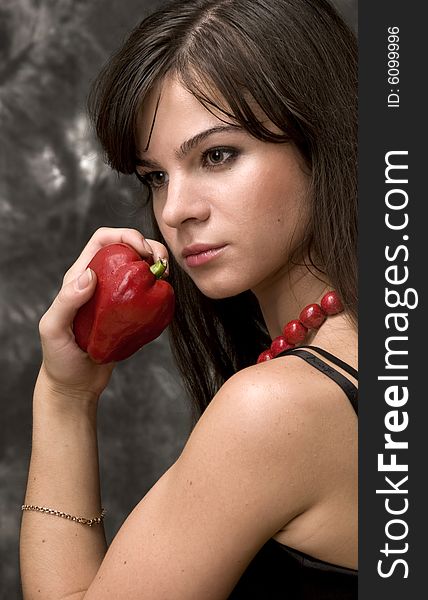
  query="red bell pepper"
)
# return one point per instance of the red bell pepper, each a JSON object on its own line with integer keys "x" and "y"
{"x": 131, "y": 305}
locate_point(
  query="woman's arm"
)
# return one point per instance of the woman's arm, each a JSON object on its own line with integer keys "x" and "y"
{"x": 59, "y": 555}
{"x": 256, "y": 459}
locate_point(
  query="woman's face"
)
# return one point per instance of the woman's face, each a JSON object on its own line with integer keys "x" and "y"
{"x": 231, "y": 207}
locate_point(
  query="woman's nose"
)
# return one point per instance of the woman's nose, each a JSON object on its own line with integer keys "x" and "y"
{"x": 185, "y": 200}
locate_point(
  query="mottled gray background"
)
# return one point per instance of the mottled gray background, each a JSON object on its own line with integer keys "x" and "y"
{"x": 54, "y": 192}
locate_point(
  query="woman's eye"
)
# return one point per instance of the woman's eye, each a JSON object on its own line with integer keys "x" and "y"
{"x": 212, "y": 158}
{"x": 155, "y": 179}
{"x": 218, "y": 156}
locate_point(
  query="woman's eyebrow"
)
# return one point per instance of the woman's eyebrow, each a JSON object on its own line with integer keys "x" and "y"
{"x": 188, "y": 145}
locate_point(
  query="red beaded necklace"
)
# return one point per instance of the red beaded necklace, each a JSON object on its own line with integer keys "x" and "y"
{"x": 311, "y": 317}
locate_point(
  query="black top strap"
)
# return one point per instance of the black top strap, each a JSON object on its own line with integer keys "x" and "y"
{"x": 335, "y": 360}
{"x": 347, "y": 386}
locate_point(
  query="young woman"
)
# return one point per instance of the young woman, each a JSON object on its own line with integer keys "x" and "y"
{"x": 239, "y": 118}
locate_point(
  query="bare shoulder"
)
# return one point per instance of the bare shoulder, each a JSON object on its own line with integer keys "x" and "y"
{"x": 285, "y": 414}
{"x": 280, "y": 393}
{"x": 301, "y": 425}
{"x": 296, "y": 419}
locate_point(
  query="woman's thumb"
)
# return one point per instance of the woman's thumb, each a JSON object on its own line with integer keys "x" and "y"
{"x": 84, "y": 280}
{"x": 59, "y": 317}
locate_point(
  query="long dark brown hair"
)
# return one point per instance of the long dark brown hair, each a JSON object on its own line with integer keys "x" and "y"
{"x": 297, "y": 60}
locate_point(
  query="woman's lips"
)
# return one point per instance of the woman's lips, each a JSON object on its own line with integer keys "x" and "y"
{"x": 202, "y": 257}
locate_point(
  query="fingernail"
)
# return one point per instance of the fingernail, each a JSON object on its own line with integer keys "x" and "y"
{"x": 147, "y": 247}
{"x": 84, "y": 279}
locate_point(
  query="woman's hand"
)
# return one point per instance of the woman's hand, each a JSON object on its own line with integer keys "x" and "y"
{"x": 66, "y": 369}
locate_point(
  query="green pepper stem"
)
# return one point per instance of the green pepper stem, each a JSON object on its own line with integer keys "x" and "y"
{"x": 159, "y": 268}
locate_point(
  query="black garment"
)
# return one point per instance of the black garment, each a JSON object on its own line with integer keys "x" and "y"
{"x": 280, "y": 572}
{"x": 347, "y": 386}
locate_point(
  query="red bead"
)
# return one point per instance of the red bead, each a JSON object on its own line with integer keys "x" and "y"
{"x": 312, "y": 316}
{"x": 331, "y": 303}
{"x": 266, "y": 355}
{"x": 279, "y": 344}
{"x": 295, "y": 332}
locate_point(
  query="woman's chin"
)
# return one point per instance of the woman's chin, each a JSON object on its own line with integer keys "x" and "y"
{"x": 219, "y": 292}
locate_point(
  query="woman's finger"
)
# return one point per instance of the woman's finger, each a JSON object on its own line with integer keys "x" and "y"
{"x": 150, "y": 250}
{"x": 102, "y": 237}
{"x": 159, "y": 251}
{"x": 56, "y": 323}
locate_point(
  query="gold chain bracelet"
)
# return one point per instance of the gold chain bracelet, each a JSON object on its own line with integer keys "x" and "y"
{"x": 58, "y": 513}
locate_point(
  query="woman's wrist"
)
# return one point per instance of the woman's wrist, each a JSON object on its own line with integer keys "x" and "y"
{"x": 65, "y": 399}
{"x": 64, "y": 437}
